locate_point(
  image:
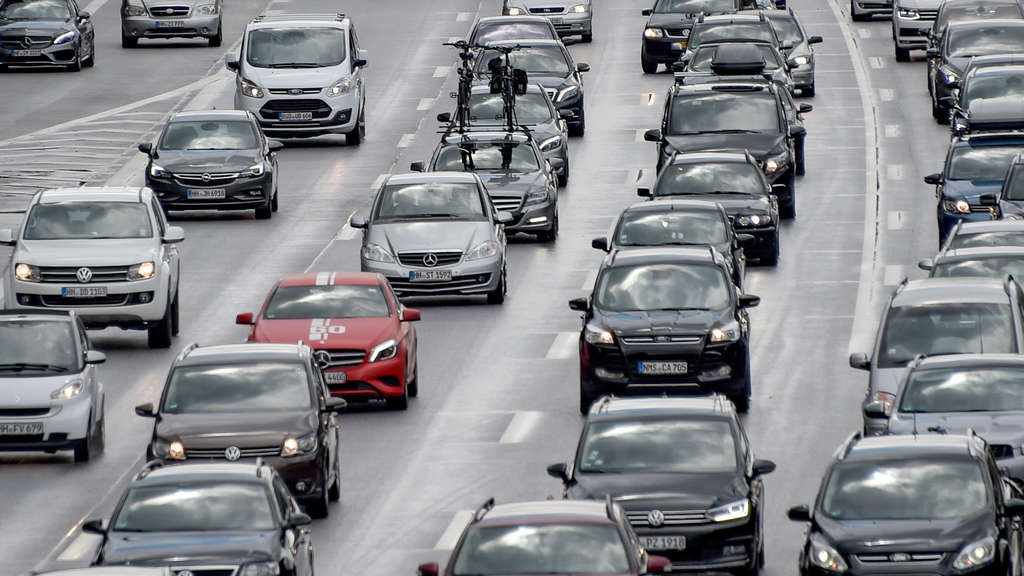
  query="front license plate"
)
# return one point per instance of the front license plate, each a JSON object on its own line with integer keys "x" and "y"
{"x": 206, "y": 194}
{"x": 336, "y": 377}
{"x": 26, "y": 53}
{"x": 680, "y": 46}
{"x": 662, "y": 368}
{"x": 664, "y": 542}
{"x": 84, "y": 292}
{"x": 21, "y": 428}
{"x": 295, "y": 116}
{"x": 430, "y": 276}
{"x": 170, "y": 24}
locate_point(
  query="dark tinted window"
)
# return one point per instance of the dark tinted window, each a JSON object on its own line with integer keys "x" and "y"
{"x": 968, "y": 328}
{"x": 489, "y": 109}
{"x": 981, "y": 162}
{"x": 1015, "y": 186}
{"x": 498, "y": 31}
{"x": 195, "y": 507}
{"x": 1004, "y": 84}
{"x": 787, "y": 30}
{"x": 695, "y": 6}
{"x": 327, "y": 302}
{"x": 488, "y": 157}
{"x": 642, "y": 228}
{"x": 709, "y": 177}
{"x": 542, "y": 549}
{"x": 992, "y": 267}
{"x": 659, "y": 446}
{"x": 964, "y": 390}
{"x": 536, "y": 60}
{"x": 34, "y": 10}
{"x": 703, "y": 34}
{"x": 970, "y": 11}
{"x": 982, "y": 41}
{"x": 986, "y": 239}
{"x": 702, "y": 58}
{"x": 219, "y": 135}
{"x": 724, "y": 112}
{"x": 262, "y": 387}
{"x": 295, "y": 47}
{"x": 663, "y": 287}
{"x": 431, "y": 200}
{"x": 88, "y": 220}
{"x": 47, "y": 344}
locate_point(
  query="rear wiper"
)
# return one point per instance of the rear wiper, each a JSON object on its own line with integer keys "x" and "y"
{"x": 295, "y": 65}
{"x": 20, "y": 366}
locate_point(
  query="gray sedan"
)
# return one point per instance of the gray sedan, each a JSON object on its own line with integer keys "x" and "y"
{"x": 796, "y": 45}
{"x": 436, "y": 234}
{"x": 167, "y": 19}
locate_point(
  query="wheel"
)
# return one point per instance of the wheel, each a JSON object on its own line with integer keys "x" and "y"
{"x": 355, "y": 137}
{"x": 498, "y": 295}
{"x": 76, "y": 66}
{"x": 588, "y": 38}
{"x": 773, "y": 259}
{"x": 586, "y": 399}
{"x": 319, "y": 508}
{"x": 788, "y": 211}
{"x": 215, "y": 41}
{"x": 334, "y": 492}
{"x": 742, "y": 401}
{"x": 400, "y": 403}
{"x": 580, "y": 127}
{"x": 175, "y": 316}
{"x": 273, "y": 201}
{"x": 902, "y": 54}
{"x": 92, "y": 55}
{"x": 800, "y": 169}
{"x": 939, "y": 113}
{"x": 161, "y": 332}
{"x": 808, "y": 91}
{"x": 414, "y": 384}
{"x": 550, "y": 235}
{"x": 93, "y": 443}
{"x": 650, "y": 66}
{"x": 128, "y": 42}
{"x": 563, "y": 178}
{"x": 265, "y": 212}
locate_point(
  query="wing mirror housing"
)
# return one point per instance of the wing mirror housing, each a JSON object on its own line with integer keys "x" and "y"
{"x": 357, "y": 221}
{"x": 680, "y": 65}
{"x": 799, "y": 513}
{"x": 815, "y": 40}
{"x": 146, "y": 148}
{"x": 926, "y": 264}
{"x": 428, "y": 569}
{"x": 745, "y": 239}
{"x": 84, "y": 15}
{"x": 245, "y": 319}
{"x": 988, "y": 200}
{"x": 931, "y": 53}
{"x": 933, "y": 179}
{"x": 94, "y": 527}
{"x": 601, "y": 244}
{"x": 749, "y": 301}
{"x": 653, "y": 135}
{"x": 145, "y": 410}
{"x": 556, "y": 163}
{"x": 335, "y": 404}
{"x": 417, "y": 167}
{"x": 567, "y": 114}
{"x": 646, "y": 12}
{"x": 95, "y": 357}
{"x": 296, "y": 519}
{"x": 805, "y": 108}
{"x": 1014, "y": 507}
{"x": 444, "y": 117}
{"x": 362, "y": 59}
{"x": 583, "y": 67}
{"x": 560, "y": 471}
{"x": 7, "y": 237}
{"x": 410, "y": 315}
{"x": 275, "y": 145}
{"x": 232, "y": 64}
{"x": 876, "y": 410}
{"x": 860, "y": 361}
{"x": 644, "y": 192}
{"x": 505, "y": 217}
{"x": 796, "y": 131}
{"x": 174, "y": 235}
{"x": 762, "y": 467}
{"x": 578, "y": 304}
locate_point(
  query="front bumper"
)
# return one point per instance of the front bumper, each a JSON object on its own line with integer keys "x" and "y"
{"x": 765, "y": 243}
{"x": 477, "y": 277}
{"x": 329, "y": 115}
{"x": 872, "y": 6}
{"x": 575, "y": 104}
{"x": 53, "y": 55}
{"x": 129, "y": 305}
{"x": 709, "y": 547}
{"x": 803, "y": 76}
{"x": 370, "y": 381}
{"x": 64, "y": 423}
{"x": 664, "y": 50}
{"x": 941, "y": 568}
{"x": 911, "y": 34}
{"x": 239, "y": 193}
{"x": 207, "y": 26}
{"x": 572, "y": 24}
{"x": 534, "y": 219}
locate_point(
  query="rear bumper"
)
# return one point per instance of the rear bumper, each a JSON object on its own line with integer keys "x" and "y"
{"x": 911, "y": 34}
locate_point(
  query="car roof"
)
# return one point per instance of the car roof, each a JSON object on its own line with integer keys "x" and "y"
{"x": 997, "y": 60}
{"x": 547, "y": 511}
{"x": 951, "y": 291}
{"x": 909, "y": 445}
{"x": 710, "y": 83}
{"x": 980, "y": 252}
{"x": 248, "y": 352}
{"x": 201, "y": 115}
{"x": 200, "y": 472}
{"x": 331, "y": 279}
{"x": 490, "y": 136}
{"x": 92, "y": 194}
{"x": 671, "y": 204}
{"x": 969, "y": 24}
{"x": 985, "y": 226}
{"x": 512, "y": 19}
{"x": 970, "y": 361}
{"x": 663, "y": 255}
{"x": 338, "y": 21}
{"x": 43, "y": 314}
{"x": 702, "y": 157}
{"x": 431, "y": 177}
{"x": 613, "y": 408}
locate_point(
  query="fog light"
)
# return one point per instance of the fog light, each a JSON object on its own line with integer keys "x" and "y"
{"x": 255, "y": 193}
{"x": 135, "y": 32}
{"x": 734, "y": 550}
{"x": 605, "y": 373}
{"x": 301, "y": 487}
{"x": 538, "y": 219}
{"x": 24, "y": 299}
{"x": 719, "y": 373}
{"x": 481, "y": 278}
{"x": 145, "y": 297}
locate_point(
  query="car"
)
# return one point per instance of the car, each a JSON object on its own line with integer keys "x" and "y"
{"x": 665, "y": 320}
{"x": 933, "y": 502}
{"x": 177, "y": 19}
{"x": 578, "y": 537}
{"x": 109, "y": 571}
{"x": 436, "y": 234}
{"x": 987, "y": 262}
{"x": 669, "y": 23}
{"x": 105, "y": 252}
{"x": 733, "y": 114}
{"x": 569, "y": 17}
{"x": 730, "y": 57}
{"x": 990, "y": 233}
{"x": 303, "y": 75}
{"x": 800, "y": 52}
{"x": 684, "y": 473}
{"x": 736, "y": 182}
{"x": 935, "y": 316}
{"x": 861, "y": 10}
{"x": 912, "y": 20}
{"x": 364, "y": 338}
{"x": 1011, "y": 195}
{"x": 235, "y": 402}
{"x": 548, "y": 63}
{"x": 519, "y": 27}
{"x": 999, "y": 76}
{"x": 975, "y": 166}
{"x": 679, "y": 222}
{"x": 951, "y": 394}
{"x": 518, "y": 179}
{"x": 51, "y": 395}
{"x": 747, "y": 25}
{"x": 213, "y": 160}
{"x": 965, "y": 10}
{"x": 46, "y": 33}
{"x": 247, "y": 523}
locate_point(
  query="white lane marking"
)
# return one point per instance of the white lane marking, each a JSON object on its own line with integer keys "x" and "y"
{"x": 876, "y": 62}
{"x": 864, "y": 32}
{"x": 832, "y": 251}
{"x": 322, "y": 277}
{"x": 893, "y": 131}
{"x": 830, "y": 317}
{"x": 425, "y": 104}
{"x": 588, "y": 282}
{"x": 406, "y": 140}
{"x": 95, "y": 6}
{"x": 564, "y": 346}
{"x": 378, "y": 182}
{"x": 463, "y": 16}
{"x": 441, "y": 71}
{"x": 520, "y": 426}
{"x": 347, "y": 232}
{"x": 894, "y": 172}
{"x": 451, "y": 534}
{"x": 893, "y": 275}
{"x": 652, "y": 98}
{"x": 453, "y": 39}
{"x": 79, "y": 547}
{"x": 887, "y": 94}
{"x": 896, "y": 220}
{"x": 639, "y": 135}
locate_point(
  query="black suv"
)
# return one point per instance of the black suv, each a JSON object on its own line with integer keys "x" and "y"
{"x": 915, "y": 504}
{"x": 749, "y": 26}
{"x": 246, "y": 401}
{"x": 685, "y": 474}
{"x": 207, "y": 519}
{"x": 669, "y": 23}
{"x": 665, "y": 320}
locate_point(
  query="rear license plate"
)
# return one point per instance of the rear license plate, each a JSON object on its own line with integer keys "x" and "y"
{"x": 680, "y": 46}
{"x": 84, "y": 292}
{"x": 295, "y": 116}
{"x": 26, "y": 53}
{"x": 21, "y": 428}
{"x": 206, "y": 194}
{"x": 662, "y": 368}
{"x": 430, "y": 276}
{"x": 664, "y": 542}
{"x": 336, "y": 377}
{"x": 170, "y": 24}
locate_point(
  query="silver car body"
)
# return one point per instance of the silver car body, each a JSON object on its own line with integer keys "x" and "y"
{"x": 171, "y": 18}
{"x": 911, "y": 22}
{"x": 570, "y": 17}
{"x": 801, "y": 54}
{"x": 866, "y": 8}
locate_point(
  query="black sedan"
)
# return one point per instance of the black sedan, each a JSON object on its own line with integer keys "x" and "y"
{"x": 46, "y": 32}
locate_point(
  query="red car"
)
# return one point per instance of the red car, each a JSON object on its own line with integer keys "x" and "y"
{"x": 364, "y": 338}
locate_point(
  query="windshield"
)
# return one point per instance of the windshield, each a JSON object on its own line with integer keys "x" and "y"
{"x": 947, "y": 328}
{"x": 905, "y": 490}
{"x": 1005, "y": 84}
{"x": 964, "y": 390}
{"x": 295, "y": 47}
{"x": 989, "y": 266}
{"x": 987, "y": 239}
{"x": 709, "y": 178}
{"x": 695, "y": 6}
{"x": 34, "y": 10}
{"x": 731, "y": 31}
{"x": 986, "y": 40}
{"x": 542, "y": 549}
{"x": 663, "y": 287}
{"x": 536, "y": 60}
{"x": 195, "y": 508}
{"x": 489, "y": 109}
{"x": 643, "y": 228}
{"x": 37, "y": 346}
{"x": 499, "y": 31}
{"x": 981, "y": 162}
{"x": 787, "y": 30}
{"x": 238, "y": 388}
{"x": 1014, "y": 188}
{"x": 88, "y": 220}
{"x": 659, "y": 446}
{"x": 483, "y": 156}
{"x": 290, "y": 302}
{"x": 216, "y": 135}
{"x": 720, "y": 111}
{"x": 459, "y": 200}
{"x": 702, "y": 58}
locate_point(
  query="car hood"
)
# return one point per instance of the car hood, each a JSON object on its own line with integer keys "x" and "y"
{"x": 511, "y": 183}
{"x": 31, "y": 390}
{"x": 190, "y": 548}
{"x": 760, "y": 144}
{"x": 207, "y": 160}
{"x": 887, "y": 379}
{"x": 735, "y": 203}
{"x": 104, "y": 252}
{"x": 295, "y": 77}
{"x": 345, "y": 333}
{"x": 870, "y": 537}
{"x": 970, "y": 190}
{"x": 956, "y": 64}
{"x": 994, "y": 427}
{"x": 34, "y": 27}
{"x": 670, "y": 490}
{"x": 422, "y": 236}
{"x": 244, "y": 430}
{"x": 674, "y": 321}
{"x": 148, "y": 3}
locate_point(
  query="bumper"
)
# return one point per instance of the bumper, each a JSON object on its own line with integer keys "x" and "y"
{"x": 59, "y": 55}
{"x": 911, "y": 34}
{"x": 943, "y": 568}
{"x": 329, "y": 115}
{"x": 239, "y": 194}
{"x": 366, "y": 381}
{"x": 575, "y": 104}
{"x": 129, "y": 305}
{"x": 572, "y": 24}
{"x": 190, "y": 27}
{"x": 765, "y": 241}
{"x": 872, "y": 6}
{"x": 468, "y": 278}
{"x": 665, "y": 50}
{"x": 803, "y": 77}
{"x": 64, "y": 424}
{"x": 709, "y": 547}
{"x": 534, "y": 219}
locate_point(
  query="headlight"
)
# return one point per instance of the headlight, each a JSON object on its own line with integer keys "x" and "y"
{"x": 68, "y": 391}
{"x": 515, "y": 11}
{"x": 386, "y": 350}
{"x": 26, "y": 273}
{"x": 976, "y": 554}
{"x": 824, "y": 556}
{"x": 303, "y": 445}
{"x": 157, "y": 171}
{"x": 133, "y": 10}
{"x": 536, "y": 196}
{"x": 909, "y": 14}
{"x": 377, "y": 253}
{"x": 960, "y": 206}
{"x": 566, "y": 92}
{"x": 950, "y": 76}
{"x": 483, "y": 250}
{"x": 255, "y": 170}
{"x": 551, "y": 144}
{"x": 654, "y": 33}
{"x": 775, "y": 163}
{"x": 64, "y": 38}
{"x": 207, "y": 10}
{"x": 141, "y": 271}
{"x": 341, "y": 88}
{"x": 801, "y": 60}
{"x": 579, "y": 8}
{"x": 731, "y": 511}
{"x": 176, "y": 451}
{"x": 249, "y": 89}
{"x": 260, "y": 569}
{"x": 596, "y": 335}
{"x": 728, "y": 333}
{"x": 747, "y": 220}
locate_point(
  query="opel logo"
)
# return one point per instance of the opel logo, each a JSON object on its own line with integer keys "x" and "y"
{"x": 430, "y": 260}
{"x": 233, "y": 453}
{"x": 206, "y": 176}
{"x": 656, "y": 518}
{"x": 84, "y": 275}
{"x": 323, "y": 358}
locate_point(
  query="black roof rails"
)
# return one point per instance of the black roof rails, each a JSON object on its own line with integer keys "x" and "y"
{"x": 483, "y": 510}
{"x": 844, "y": 449}
{"x": 185, "y": 351}
{"x": 149, "y": 467}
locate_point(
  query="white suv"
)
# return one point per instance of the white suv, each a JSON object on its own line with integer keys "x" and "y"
{"x": 106, "y": 253}
{"x": 302, "y": 75}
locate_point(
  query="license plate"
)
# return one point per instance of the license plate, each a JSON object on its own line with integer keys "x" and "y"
{"x": 21, "y": 428}
{"x": 336, "y": 377}
{"x": 84, "y": 292}
{"x": 295, "y": 116}
{"x": 430, "y": 276}
{"x": 170, "y": 24}
{"x": 662, "y": 368}
{"x": 26, "y": 53}
{"x": 663, "y": 542}
{"x": 680, "y": 46}
{"x": 206, "y": 194}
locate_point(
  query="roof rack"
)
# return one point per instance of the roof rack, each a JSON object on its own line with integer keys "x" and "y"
{"x": 994, "y": 114}
{"x": 149, "y": 467}
{"x": 609, "y": 506}
{"x": 844, "y": 449}
{"x": 601, "y": 404}
{"x": 337, "y": 16}
{"x": 483, "y": 509}
{"x": 186, "y": 350}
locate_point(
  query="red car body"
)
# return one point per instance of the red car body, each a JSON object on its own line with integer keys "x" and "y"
{"x": 344, "y": 345}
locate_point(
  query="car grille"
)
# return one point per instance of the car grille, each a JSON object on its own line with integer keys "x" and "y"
{"x": 294, "y": 91}
{"x": 21, "y": 439}
{"x": 457, "y": 283}
{"x": 109, "y": 300}
{"x": 662, "y": 339}
{"x": 169, "y": 11}
{"x": 207, "y": 178}
{"x": 507, "y": 202}
{"x": 245, "y": 452}
{"x": 899, "y": 557}
{"x": 676, "y": 32}
{"x": 638, "y": 518}
{"x": 203, "y": 571}
{"x": 319, "y": 108}
{"x": 548, "y": 10}
{"x": 345, "y": 358}
{"x": 18, "y": 40}
{"x": 68, "y": 274}
{"x": 444, "y": 258}
{"x": 23, "y": 412}
{"x": 999, "y": 451}
{"x": 927, "y": 14}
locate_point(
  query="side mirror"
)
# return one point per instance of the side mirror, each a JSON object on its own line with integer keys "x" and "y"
{"x": 876, "y": 410}
{"x": 95, "y": 357}
{"x": 417, "y": 167}
{"x": 1014, "y": 507}
{"x": 556, "y": 163}
{"x": 658, "y": 564}
{"x": 578, "y": 304}
{"x": 653, "y": 135}
{"x": 749, "y": 300}
{"x": 988, "y": 200}
{"x": 174, "y": 235}
{"x": 925, "y": 264}
{"x": 583, "y": 67}
{"x": 815, "y": 40}
{"x": 245, "y": 319}
{"x": 680, "y": 65}
{"x": 600, "y": 244}
{"x": 805, "y": 108}
{"x": 560, "y": 471}
{"x": 860, "y": 361}
{"x": 931, "y": 53}
{"x": 359, "y": 63}
{"x": 505, "y": 217}
{"x": 644, "y": 192}
{"x": 83, "y": 15}
{"x": 335, "y": 404}
{"x": 745, "y": 239}
{"x": 146, "y": 148}
{"x": 797, "y": 131}
{"x": 275, "y": 145}
{"x": 933, "y": 179}
{"x": 762, "y": 467}
{"x": 232, "y": 65}
{"x": 362, "y": 58}
{"x": 94, "y": 527}
{"x": 646, "y": 12}
{"x": 567, "y": 114}
{"x": 444, "y": 117}
{"x": 799, "y": 514}
{"x": 428, "y": 569}
{"x": 357, "y": 221}
{"x": 296, "y": 519}
{"x": 145, "y": 410}
{"x": 410, "y": 315}
{"x": 7, "y": 237}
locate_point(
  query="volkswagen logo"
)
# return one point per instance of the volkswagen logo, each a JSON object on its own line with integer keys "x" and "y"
{"x": 233, "y": 453}
{"x": 656, "y": 519}
{"x": 430, "y": 260}
{"x": 205, "y": 176}
{"x": 295, "y": 91}
{"x": 662, "y": 339}
{"x": 84, "y": 275}
{"x": 185, "y": 573}
{"x": 323, "y": 358}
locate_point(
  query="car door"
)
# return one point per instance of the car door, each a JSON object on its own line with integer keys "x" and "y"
{"x": 406, "y": 330}
{"x": 328, "y": 427}
{"x": 85, "y": 28}
{"x": 168, "y": 252}
{"x": 297, "y": 548}
{"x": 357, "y": 71}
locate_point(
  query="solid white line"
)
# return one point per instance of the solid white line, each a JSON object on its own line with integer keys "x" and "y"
{"x": 893, "y": 275}
{"x": 864, "y": 32}
{"x": 425, "y": 104}
{"x": 893, "y": 131}
{"x": 520, "y": 427}
{"x": 451, "y": 534}
{"x": 564, "y": 346}
{"x": 463, "y": 16}
{"x": 441, "y": 71}
{"x": 347, "y": 232}
{"x": 406, "y": 140}
{"x": 652, "y": 98}
{"x": 896, "y": 220}
{"x": 894, "y": 172}
{"x": 639, "y": 135}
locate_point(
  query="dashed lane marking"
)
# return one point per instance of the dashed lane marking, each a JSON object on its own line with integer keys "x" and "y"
{"x": 876, "y": 62}
{"x": 425, "y": 104}
{"x": 563, "y": 347}
{"x": 894, "y": 172}
{"x": 520, "y": 426}
{"x": 441, "y": 71}
{"x": 893, "y": 131}
{"x": 406, "y": 140}
{"x": 896, "y": 219}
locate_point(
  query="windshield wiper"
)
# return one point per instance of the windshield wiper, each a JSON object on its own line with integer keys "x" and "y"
{"x": 675, "y": 309}
{"x": 729, "y": 192}
{"x": 20, "y": 366}
{"x": 295, "y": 65}
{"x": 731, "y": 131}
{"x": 438, "y": 215}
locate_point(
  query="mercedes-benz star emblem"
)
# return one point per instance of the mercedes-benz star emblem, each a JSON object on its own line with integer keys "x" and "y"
{"x": 323, "y": 358}
{"x": 26, "y": 41}
{"x": 656, "y": 518}
{"x": 206, "y": 177}
{"x": 900, "y": 557}
{"x": 233, "y": 453}
{"x": 430, "y": 259}
{"x": 84, "y": 275}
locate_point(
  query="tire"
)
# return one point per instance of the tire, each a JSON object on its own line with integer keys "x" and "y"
{"x": 175, "y": 316}
{"x": 563, "y": 178}
{"x": 355, "y": 137}
{"x": 800, "y": 167}
{"x": 940, "y": 115}
{"x": 128, "y": 42}
{"x": 550, "y": 235}
{"x": 853, "y": 13}
{"x": 649, "y": 66}
{"x": 160, "y": 334}
{"x": 498, "y": 295}
{"x": 265, "y": 212}
{"x": 902, "y": 54}
{"x": 414, "y": 384}
{"x": 320, "y": 508}
{"x": 216, "y": 41}
{"x": 773, "y": 259}
{"x": 273, "y": 201}
{"x": 742, "y": 401}
{"x": 586, "y": 399}
{"x": 581, "y": 127}
{"x": 334, "y": 492}
{"x": 808, "y": 92}
{"x": 76, "y": 66}
{"x": 92, "y": 55}
{"x": 400, "y": 403}
{"x": 93, "y": 443}
{"x": 588, "y": 38}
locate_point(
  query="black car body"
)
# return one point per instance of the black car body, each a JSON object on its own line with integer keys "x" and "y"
{"x": 665, "y": 338}
{"x": 991, "y": 233}
{"x": 293, "y": 428}
{"x": 916, "y": 504}
{"x": 692, "y": 491}
{"x": 732, "y": 57}
{"x": 214, "y": 160}
{"x": 668, "y": 27}
{"x": 46, "y": 32}
{"x": 984, "y": 262}
{"x": 1011, "y": 196}
{"x": 266, "y": 533}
